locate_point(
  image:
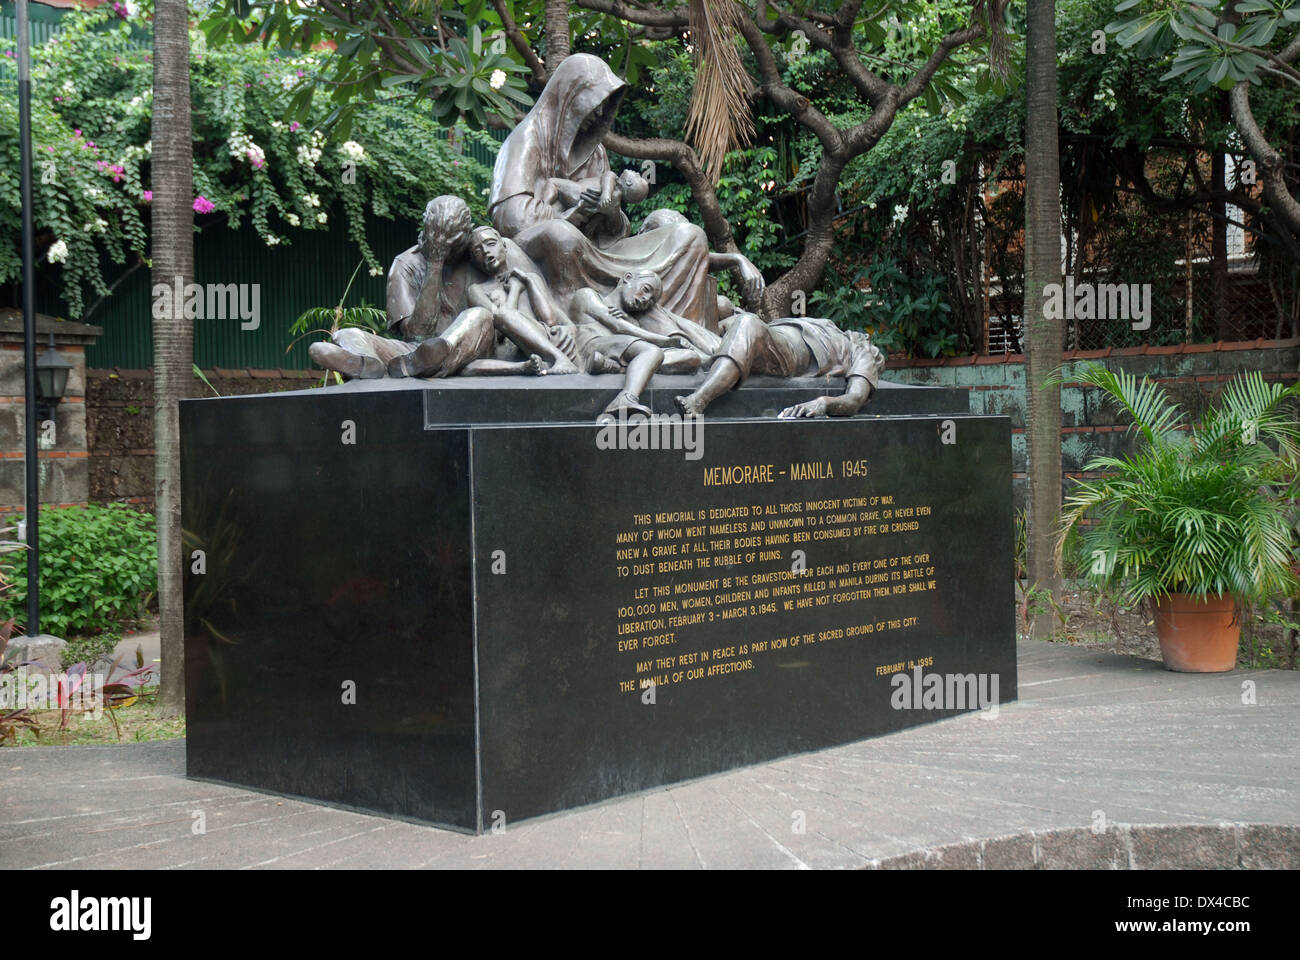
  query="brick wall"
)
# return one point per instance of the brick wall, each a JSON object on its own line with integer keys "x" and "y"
{"x": 62, "y": 457}
{"x": 119, "y": 423}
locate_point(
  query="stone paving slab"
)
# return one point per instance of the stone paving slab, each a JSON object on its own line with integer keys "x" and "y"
{"x": 1096, "y": 738}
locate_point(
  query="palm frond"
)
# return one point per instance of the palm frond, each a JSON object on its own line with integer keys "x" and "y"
{"x": 1251, "y": 409}
{"x": 719, "y": 119}
{"x": 1147, "y": 403}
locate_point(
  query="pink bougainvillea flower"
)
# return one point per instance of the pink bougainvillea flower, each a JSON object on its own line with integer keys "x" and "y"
{"x": 203, "y": 205}
{"x": 148, "y": 196}
{"x": 76, "y": 134}
{"x": 293, "y": 127}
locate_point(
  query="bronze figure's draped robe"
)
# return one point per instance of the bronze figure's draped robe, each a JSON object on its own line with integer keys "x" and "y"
{"x": 560, "y": 138}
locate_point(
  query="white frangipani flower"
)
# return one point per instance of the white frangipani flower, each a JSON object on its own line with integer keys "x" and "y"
{"x": 497, "y": 80}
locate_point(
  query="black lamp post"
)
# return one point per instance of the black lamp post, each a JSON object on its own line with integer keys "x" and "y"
{"x": 52, "y": 369}
{"x": 33, "y": 499}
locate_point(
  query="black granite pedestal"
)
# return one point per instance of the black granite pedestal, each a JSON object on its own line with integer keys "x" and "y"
{"x": 476, "y": 621}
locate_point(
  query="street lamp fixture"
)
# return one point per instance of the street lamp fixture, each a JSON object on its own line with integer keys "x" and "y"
{"x": 52, "y": 369}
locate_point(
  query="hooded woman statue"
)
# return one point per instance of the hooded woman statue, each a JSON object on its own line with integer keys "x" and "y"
{"x": 556, "y": 151}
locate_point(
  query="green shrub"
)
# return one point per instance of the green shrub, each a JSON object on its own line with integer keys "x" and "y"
{"x": 98, "y": 570}
{"x": 88, "y": 650}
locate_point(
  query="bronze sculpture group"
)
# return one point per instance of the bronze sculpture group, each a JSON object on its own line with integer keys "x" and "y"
{"x": 559, "y": 283}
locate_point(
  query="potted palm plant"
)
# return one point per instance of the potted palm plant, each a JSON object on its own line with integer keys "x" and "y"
{"x": 1199, "y": 518}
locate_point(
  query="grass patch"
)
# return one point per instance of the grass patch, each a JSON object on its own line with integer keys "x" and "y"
{"x": 136, "y": 723}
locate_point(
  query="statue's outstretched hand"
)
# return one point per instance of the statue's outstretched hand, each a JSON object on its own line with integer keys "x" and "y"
{"x": 809, "y": 408}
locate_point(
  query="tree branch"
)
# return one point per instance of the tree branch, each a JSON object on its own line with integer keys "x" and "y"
{"x": 839, "y": 44}
{"x": 795, "y": 104}
{"x": 687, "y": 163}
{"x": 1271, "y": 169}
{"x": 645, "y": 17}
{"x": 848, "y": 13}
{"x": 916, "y": 86}
{"x": 520, "y": 42}
{"x": 1283, "y": 66}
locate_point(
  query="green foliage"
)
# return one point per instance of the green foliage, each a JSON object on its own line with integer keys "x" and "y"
{"x": 752, "y": 178}
{"x": 331, "y": 319}
{"x": 1205, "y": 511}
{"x": 89, "y": 649}
{"x": 99, "y": 569}
{"x": 1208, "y": 36}
{"x": 91, "y": 116}
{"x": 904, "y": 312}
{"x": 436, "y": 52}
{"x": 443, "y": 50}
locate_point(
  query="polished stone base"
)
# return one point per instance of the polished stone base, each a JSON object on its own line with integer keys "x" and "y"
{"x": 473, "y": 625}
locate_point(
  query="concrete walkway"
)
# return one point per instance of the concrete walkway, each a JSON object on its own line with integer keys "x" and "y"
{"x": 1097, "y": 740}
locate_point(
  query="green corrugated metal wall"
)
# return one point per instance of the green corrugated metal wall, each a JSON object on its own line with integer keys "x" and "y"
{"x": 310, "y": 272}
{"x": 42, "y": 21}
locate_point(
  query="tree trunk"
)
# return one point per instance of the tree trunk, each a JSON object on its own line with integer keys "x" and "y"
{"x": 1271, "y": 166}
{"x": 557, "y": 32}
{"x": 1043, "y": 335}
{"x": 807, "y": 272}
{"x": 173, "y": 337}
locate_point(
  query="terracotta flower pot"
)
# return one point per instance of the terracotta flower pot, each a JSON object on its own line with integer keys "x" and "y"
{"x": 1198, "y": 634}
